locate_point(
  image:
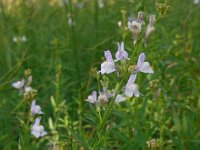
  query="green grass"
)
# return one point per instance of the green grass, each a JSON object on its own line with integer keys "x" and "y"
{"x": 63, "y": 57}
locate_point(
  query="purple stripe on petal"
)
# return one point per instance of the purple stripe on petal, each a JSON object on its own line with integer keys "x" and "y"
{"x": 94, "y": 95}
{"x": 108, "y": 56}
{"x": 140, "y": 60}
{"x": 132, "y": 79}
{"x": 37, "y": 121}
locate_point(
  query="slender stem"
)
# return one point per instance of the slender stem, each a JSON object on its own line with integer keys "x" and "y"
{"x": 110, "y": 105}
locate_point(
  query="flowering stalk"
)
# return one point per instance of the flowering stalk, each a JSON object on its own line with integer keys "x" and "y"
{"x": 122, "y": 69}
{"x": 25, "y": 89}
{"x": 110, "y": 105}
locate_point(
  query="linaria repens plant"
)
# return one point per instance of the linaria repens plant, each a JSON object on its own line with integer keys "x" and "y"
{"x": 120, "y": 67}
{"x": 29, "y": 94}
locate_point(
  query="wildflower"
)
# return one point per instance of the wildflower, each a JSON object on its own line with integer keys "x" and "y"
{"x": 35, "y": 109}
{"x": 132, "y": 88}
{"x": 121, "y": 53}
{"x": 119, "y": 23}
{"x": 70, "y": 19}
{"x": 28, "y": 89}
{"x": 92, "y": 98}
{"x": 102, "y": 98}
{"x": 150, "y": 27}
{"x": 24, "y": 39}
{"x": 196, "y": 1}
{"x": 15, "y": 39}
{"x": 100, "y": 3}
{"x": 107, "y": 66}
{"x": 135, "y": 26}
{"x": 143, "y": 66}
{"x": 37, "y": 130}
{"x": 152, "y": 144}
{"x": 19, "y": 84}
{"x": 119, "y": 98}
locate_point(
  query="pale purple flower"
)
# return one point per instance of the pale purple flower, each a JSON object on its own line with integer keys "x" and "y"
{"x": 35, "y": 109}
{"x": 19, "y": 84}
{"x": 92, "y": 98}
{"x": 108, "y": 66}
{"x": 37, "y": 130}
{"x": 132, "y": 88}
{"x": 135, "y": 26}
{"x": 102, "y": 98}
{"x": 143, "y": 66}
{"x": 121, "y": 54}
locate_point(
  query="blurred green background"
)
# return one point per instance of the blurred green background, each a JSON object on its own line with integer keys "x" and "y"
{"x": 66, "y": 40}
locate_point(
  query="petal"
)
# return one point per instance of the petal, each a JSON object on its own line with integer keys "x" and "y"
{"x": 132, "y": 79}
{"x": 33, "y": 103}
{"x": 107, "y": 67}
{"x": 146, "y": 68}
{"x": 94, "y": 95}
{"x": 122, "y": 46}
{"x": 135, "y": 90}
{"x": 35, "y": 133}
{"x": 43, "y": 133}
{"x": 129, "y": 90}
{"x": 108, "y": 56}
{"x": 92, "y": 98}
{"x": 120, "y": 98}
{"x": 140, "y": 60}
{"x": 37, "y": 121}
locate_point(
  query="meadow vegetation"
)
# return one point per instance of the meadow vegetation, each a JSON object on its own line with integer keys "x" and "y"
{"x": 58, "y": 47}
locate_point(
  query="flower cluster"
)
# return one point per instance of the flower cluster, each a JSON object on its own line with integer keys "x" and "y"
{"x": 17, "y": 39}
{"x": 110, "y": 66}
{"x": 121, "y": 64}
{"x": 24, "y": 87}
{"x": 135, "y": 26}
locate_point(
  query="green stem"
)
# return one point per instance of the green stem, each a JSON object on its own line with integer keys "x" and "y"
{"x": 110, "y": 105}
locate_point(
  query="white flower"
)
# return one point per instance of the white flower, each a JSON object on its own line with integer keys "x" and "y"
{"x": 121, "y": 53}
{"x": 132, "y": 88}
{"x": 143, "y": 66}
{"x": 135, "y": 25}
{"x": 100, "y": 3}
{"x": 119, "y": 23}
{"x": 37, "y": 130}
{"x": 102, "y": 98}
{"x": 108, "y": 66}
{"x": 196, "y": 1}
{"x": 119, "y": 98}
{"x": 35, "y": 109}
{"x": 24, "y": 39}
{"x": 92, "y": 98}
{"x": 15, "y": 39}
{"x": 19, "y": 84}
{"x": 28, "y": 89}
